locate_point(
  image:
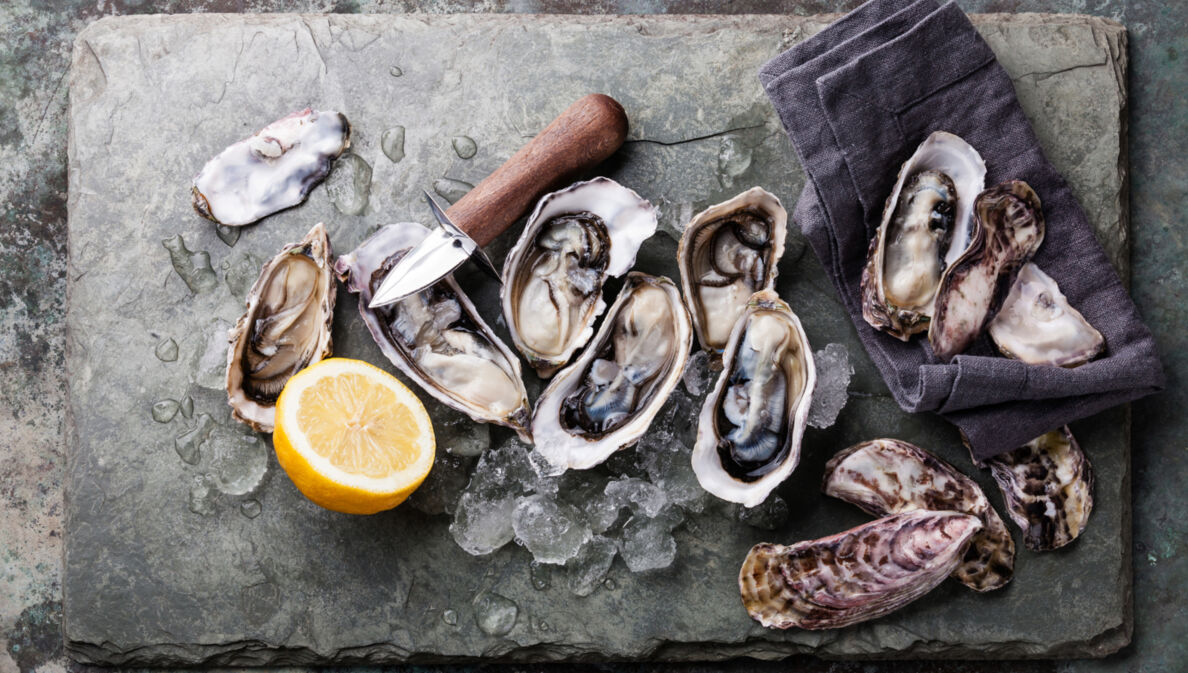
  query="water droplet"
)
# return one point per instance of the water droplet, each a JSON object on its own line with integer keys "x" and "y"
{"x": 540, "y": 573}
{"x": 392, "y": 143}
{"x": 187, "y": 407}
{"x": 165, "y": 410}
{"x": 451, "y": 190}
{"x": 242, "y": 273}
{"x": 495, "y": 614}
{"x": 734, "y": 158}
{"x": 543, "y": 625}
{"x": 193, "y": 267}
{"x": 189, "y": 444}
{"x": 228, "y": 235}
{"x": 201, "y": 501}
{"x": 395, "y": 71}
{"x": 250, "y": 509}
{"x": 450, "y": 617}
{"x": 349, "y": 186}
{"x": 238, "y": 460}
{"x": 609, "y": 584}
{"x": 465, "y": 146}
{"x": 166, "y": 351}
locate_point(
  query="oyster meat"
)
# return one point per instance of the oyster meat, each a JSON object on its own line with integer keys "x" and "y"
{"x": 857, "y": 575}
{"x": 1038, "y": 326}
{"x": 1010, "y": 230}
{"x": 926, "y": 225}
{"x": 751, "y": 424}
{"x": 888, "y": 476}
{"x": 553, "y": 276}
{"x": 436, "y": 337}
{"x": 274, "y": 169}
{"x": 727, "y": 253}
{"x": 608, "y": 397}
{"x": 286, "y": 328}
{"x": 1048, "y": 488}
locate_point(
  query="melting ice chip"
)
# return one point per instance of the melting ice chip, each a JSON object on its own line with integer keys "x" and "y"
{"x": 833, "y": 380}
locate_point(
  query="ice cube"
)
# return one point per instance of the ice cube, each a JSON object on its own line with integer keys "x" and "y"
{"x": 833, "y": 379}
{"x": 483, "y": 524}
{"x": 444, "y": 485}
{"x": 585, "y": 571}
{"x": 697, "y": 377}
{"x": 552, "y": 531}
{"x": 643, "y": 497}
{"x": 647, "y": 544}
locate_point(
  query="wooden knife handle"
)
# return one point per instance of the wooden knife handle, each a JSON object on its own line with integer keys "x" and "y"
{"x": 585, "y": 134}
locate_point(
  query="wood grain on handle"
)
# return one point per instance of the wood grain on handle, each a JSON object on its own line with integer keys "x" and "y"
{"x": 585, "y": 134}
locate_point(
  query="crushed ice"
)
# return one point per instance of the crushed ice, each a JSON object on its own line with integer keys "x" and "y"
{"x": 833, "y": 381}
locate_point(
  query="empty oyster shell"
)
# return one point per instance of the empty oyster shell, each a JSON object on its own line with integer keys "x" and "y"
{"x": 1010, "y": 229}
{"x": 286, "y": 328}
{"x": 436, "y": 337}
{"x": 1048, "y": 488}
{"x": 926, "y": 225}
{"x": 751, "y": 424}
{"x": 608, "y": 397}
{"x": 857, "y": 575}
{"x": 274, "y": 169}
{"x": 727, "y": 253}
{"x": 888, "y": 476}
{"x": 1038, "y": 326}
{"x": 553, "y": 276}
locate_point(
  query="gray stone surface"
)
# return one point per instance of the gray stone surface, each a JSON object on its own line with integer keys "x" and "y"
{"x": 166, "y": 564}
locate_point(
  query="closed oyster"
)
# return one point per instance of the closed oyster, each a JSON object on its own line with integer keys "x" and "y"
{"x": 553, "y": 276}
{"x": 887, "y": 476}
{"x": 436, "y": 337}
{"x": 1010, "y": 230}
{"x": 727, "y": 253}
{"x": 274, "y": 169}
{"x": 854, "y": 576}
{"x": 1048, "y": 488}
{"x": 751, "y": 424}
{"x": 608, "y": 397}
{"x": 285, "y": 329}
{"x": 1038, "y": 326}
{"x": 926, "y": 224}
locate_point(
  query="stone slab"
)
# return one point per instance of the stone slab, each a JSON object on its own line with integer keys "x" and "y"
{"x": 173, "y": 561}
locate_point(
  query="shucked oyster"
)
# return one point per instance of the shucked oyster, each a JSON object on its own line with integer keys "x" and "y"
{"x": 606, "y": 399}
{"x": 860, "y": 574}
{"x": 553, "y": 276}
{"x": 436, "y": 336}
{"x": 887, "y": 476}
{"x": 1048, "y": 487}
{"x": 749, "y": 429}
{"x": 1011, "y": 229}
{"x": 1038, "y": 326}
{"x": 727, "y": 253}
{"x": 927, "y": 223}
{"x": 286, "y": 328}
{"x": 272, "y": 170}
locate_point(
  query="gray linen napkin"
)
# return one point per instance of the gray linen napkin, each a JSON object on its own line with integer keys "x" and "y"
{"x": 856, "y": 100}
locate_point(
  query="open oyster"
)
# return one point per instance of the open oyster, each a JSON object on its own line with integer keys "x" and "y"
{"x": 1038, "y": 326}
{"x": 286, "y": 328}
{"x": 1011, "y": 229}
{"x": 553, "y": 276}
{"x": 436, "y": 336}
{"x": 888, "y": 476}
{"x": 1048, "y": 487}
{"x": 857, "y": 575}
{"x": 727, "y": 253}
{"x": 927, "y": 223}
{"x": 274, "y": 169}
{"x": 608, "y": 397}
{"x": 750, "y": 427}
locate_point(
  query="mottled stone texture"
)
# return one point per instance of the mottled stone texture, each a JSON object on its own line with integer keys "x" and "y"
{"x": 165, "y": 563}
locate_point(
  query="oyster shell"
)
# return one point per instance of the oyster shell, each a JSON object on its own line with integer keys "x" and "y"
{"x": 727, "y": 253}
{"x": 857, "y": 575}
{"x": 608, "y": 397}
{"x": 1010, "y": 229}
{"x": 926, "y": 225}
{"x": 553, "y": 276}
{"x": 436, "y": 337}
{"x": 285, "y": 328}
{"x": 274, "y": 169}
{"x": 1038, "y": 326}
{"x": 1048, "y": 488}
{"x": 888, "y": 476}
{"x": 751, "y": 424}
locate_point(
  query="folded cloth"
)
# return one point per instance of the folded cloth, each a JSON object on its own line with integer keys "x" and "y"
{"x": 856, "y": 100}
